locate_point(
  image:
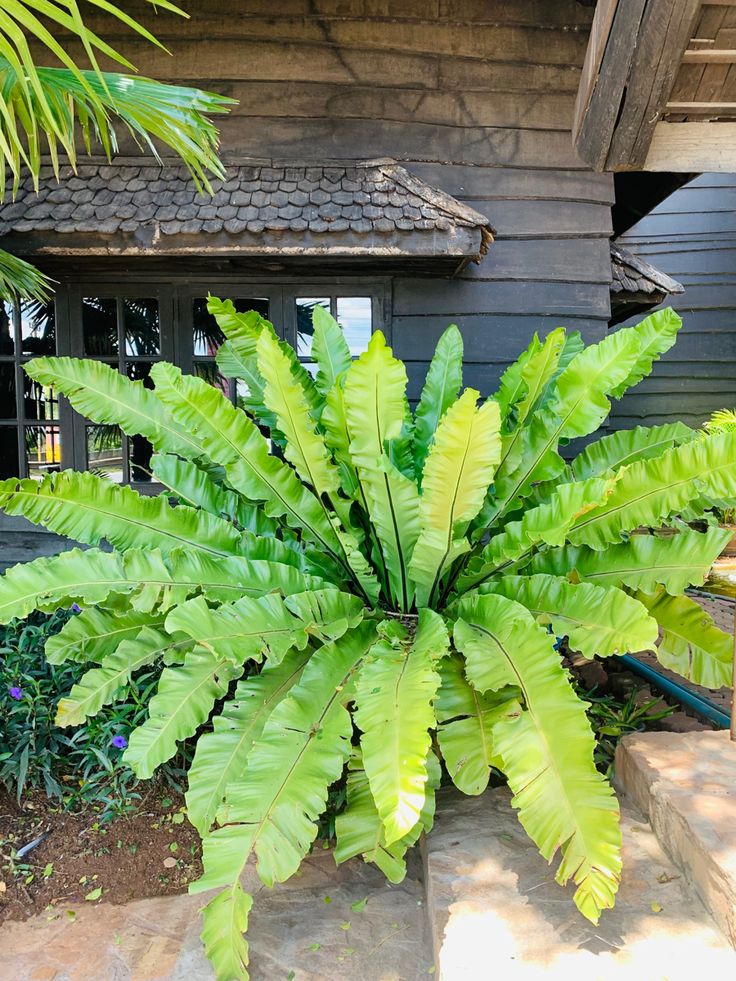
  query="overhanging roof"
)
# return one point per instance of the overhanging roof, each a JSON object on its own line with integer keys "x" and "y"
{"x": 636, "y": 285}
{"x": 374, "y": 209}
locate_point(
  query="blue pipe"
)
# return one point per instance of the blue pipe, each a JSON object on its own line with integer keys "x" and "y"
{"x": 690, "y": 699}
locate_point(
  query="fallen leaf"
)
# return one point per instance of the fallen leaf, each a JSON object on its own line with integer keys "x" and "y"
{"x": 177, "y": 818}
{"x": 169, "y": 863}
{"x": 95, "y": 894}
{"x": 359, "y": 906}
{"x": 314, "y": 947}
{"x": 656, "y": 908}
{"x": 3, "y": 887}
{"x": 345, "y": 925}
{"x": 665, "y": 877}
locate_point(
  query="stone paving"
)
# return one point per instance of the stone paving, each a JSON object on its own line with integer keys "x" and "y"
{"x": 293, "y": 929}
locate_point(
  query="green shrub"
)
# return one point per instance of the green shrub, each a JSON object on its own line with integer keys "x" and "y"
{"x": 79, "y": 767}
{"x": 374, "y": 586}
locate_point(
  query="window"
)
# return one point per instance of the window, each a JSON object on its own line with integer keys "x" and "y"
{"x": 129, "y": 327}
{"x": 30, "y": 432}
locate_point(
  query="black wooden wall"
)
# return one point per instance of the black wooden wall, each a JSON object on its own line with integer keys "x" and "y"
{"x": 691, "y": 236}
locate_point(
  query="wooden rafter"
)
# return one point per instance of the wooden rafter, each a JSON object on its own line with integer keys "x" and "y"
{"x": 634, "y": 53}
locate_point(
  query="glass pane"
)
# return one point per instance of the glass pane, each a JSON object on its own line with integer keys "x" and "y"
{"x": 206, "y": 335}
{"x": 8, "y": 452}
{"x": 304, "y": 330}
{"x": 43, "y": 450}
{"x": 139, "y": 371}
{"x": 7, "y": 331}
{"x": 211, "y": 374}
{"x": 140, "y": 450}
{"x": 38, "y": 328}
{"x": 105, "y": 452}
{"x": 100, "y": 325}
{"x": 141, "y": 325}
{"x": 39, "y": 401}
{"x": 8, "y": 406}
{"x": 355, "y": 317}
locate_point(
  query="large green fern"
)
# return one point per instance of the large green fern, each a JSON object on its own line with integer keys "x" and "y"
{"x": 372, "y": 590}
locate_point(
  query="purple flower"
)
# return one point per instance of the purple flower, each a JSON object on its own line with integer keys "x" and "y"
{"x": 119, "y": 742}
{"x": 16, "y": 693}
{"x": 76, "y": 608}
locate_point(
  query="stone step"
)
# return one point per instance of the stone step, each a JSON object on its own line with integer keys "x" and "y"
{"x": 496, "y": 913}
{"x": 686, "y": 784}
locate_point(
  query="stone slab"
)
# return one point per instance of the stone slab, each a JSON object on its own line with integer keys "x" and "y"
{"x": 293, "y": 929}
{"x": 686, "y": 784}
{"x": 496, "y": 912}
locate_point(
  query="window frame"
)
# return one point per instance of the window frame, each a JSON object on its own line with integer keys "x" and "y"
{"x": 175, "y": 295}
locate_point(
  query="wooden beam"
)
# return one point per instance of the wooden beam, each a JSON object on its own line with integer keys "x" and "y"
{"x": 613, "y": 37}
{"x": 698, "y": 147}
{"x": 665, "y": 32}
{"x": 709, "y": 56}
{"x": 703, "y": 108}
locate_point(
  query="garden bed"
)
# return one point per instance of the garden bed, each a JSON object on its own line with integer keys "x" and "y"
{"x": 151, "y": 852}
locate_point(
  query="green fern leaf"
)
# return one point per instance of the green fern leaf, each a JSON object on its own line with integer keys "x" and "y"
{"x": 359, "y": 829}
{"x": 231, "y": 439}
{"x": 467, "y": 718}
{"x": 183, "y": 700}
{"x": 441, "y": 387}
{"x": 644, "y": 562}
{"x": 194, "y": 487}
{"x": 457, "y": 472}
{"x": 224, "y": 923}
{"x": 395, "y": 689}
{"x": 95, "y": 633}
{"x": 105, "y": 396}
{"x": 626, "y": 446}
{"x": 598, "y": 621}
{"x": 650, "y": 491}
{"x": 329, "y": 349}
{"x": 221, "y": 755}
{"x": 90, "y": 509}
{"x": 657, "y": 332}
{"x": 691, "y": 644}
{"x": 375, "y": 389}
{"x": 564, "y": 803}
{"x": 99, "y": 686}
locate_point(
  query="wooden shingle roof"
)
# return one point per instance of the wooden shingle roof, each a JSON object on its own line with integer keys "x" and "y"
{"x": 362, "y": 208}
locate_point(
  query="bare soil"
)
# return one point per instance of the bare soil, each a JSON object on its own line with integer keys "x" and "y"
{"x": 151, "y": 852}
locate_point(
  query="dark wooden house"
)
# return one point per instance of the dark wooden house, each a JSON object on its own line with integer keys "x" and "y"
{"x": 407, "y": 164}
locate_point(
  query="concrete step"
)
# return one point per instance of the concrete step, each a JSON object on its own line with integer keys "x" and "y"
{"x": 496, "y": 912}
{"x": 686, "y": 785}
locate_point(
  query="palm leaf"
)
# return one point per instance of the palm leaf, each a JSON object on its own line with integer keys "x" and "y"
{"x": 564, "y": 803}
{"x": 19, "y": 280}
{"x": 644, "y": 562}
{"x": 467, "y": 718}
{"x": 691, "y": 644}
{"x": 395, "y": 689}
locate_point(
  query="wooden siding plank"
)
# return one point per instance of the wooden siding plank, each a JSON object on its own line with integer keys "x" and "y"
{"x": 556, "y": 219}
{"x": 693, "y": 146}
{"x": 435, "y": 298}
{"x": 485, "y": 183}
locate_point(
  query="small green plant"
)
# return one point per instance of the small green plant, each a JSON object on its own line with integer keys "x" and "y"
{"x": 371, "y": 590}
{"x": 612, "y": 718}
{"x": 80, "y": 767}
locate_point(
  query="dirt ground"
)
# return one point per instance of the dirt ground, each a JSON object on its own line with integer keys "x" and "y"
{"x": 152, "y": 852}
